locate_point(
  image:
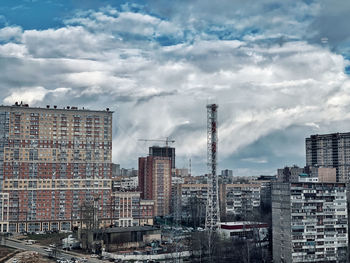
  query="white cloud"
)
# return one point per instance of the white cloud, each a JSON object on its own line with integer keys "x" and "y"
{"x": 159, "y": 91}
{"x": 27, "y": 95}
{"x": 255, "y": 160}
{"x": 10, "y": 33}
{"x": 32, "y": 95}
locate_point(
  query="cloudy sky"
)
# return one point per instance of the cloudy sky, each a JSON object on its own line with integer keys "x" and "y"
{"x": 277, "y": 69}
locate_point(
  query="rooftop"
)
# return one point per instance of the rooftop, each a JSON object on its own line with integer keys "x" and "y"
{"x": 54, "y": 107}
{"x": 239, "y": 223}
{"x": 128, "y": 229}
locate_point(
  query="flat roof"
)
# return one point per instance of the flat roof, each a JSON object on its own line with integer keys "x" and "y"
{"x": 328, "y": 136}
{"x": 242, "y": 225}
{"x": 238, "y": 223}
{"x": 65, "y": 109}
{"x": 127, "y": 229}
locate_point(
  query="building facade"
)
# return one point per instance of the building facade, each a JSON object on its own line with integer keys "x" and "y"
{"x": 155, "y": 182}
{"x": 309, "y": 221}
{"x": 239, "y": 199}
{"x": 292, "y": 174}
{"x": 52, "y": 163}
{"x": 256, "y": 232}
{"x": 165, "y": 151}
{"x": 192, "y": 202}
{"x": 330, "y": 150}
{"x": 4, "y": 212}
{"x": 129, "y": 210}
{"x": 125, "y": 183}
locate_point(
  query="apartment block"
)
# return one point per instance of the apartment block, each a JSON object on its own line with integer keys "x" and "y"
{"x": 155, "y": 182}
{"x": 330, "y": 150}
{"x": 265, "y": 182}
{"x": 52, "y": 162}
{"x": 193, "y": 200}
{"x": 125, "y": 183}
{"x": 239, "y": 199}
{"x": 292, "y": 174}
{"x": 309, "y": 221}
{"x": 129, "y": 210}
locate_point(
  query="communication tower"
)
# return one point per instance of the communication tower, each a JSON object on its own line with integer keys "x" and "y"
{"x": 212, "y": 218}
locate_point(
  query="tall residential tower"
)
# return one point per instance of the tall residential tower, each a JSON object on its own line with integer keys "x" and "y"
{"x": 155, "y": 182}
{"x": 330, "y": 150}
{"x": 53, "y": 164}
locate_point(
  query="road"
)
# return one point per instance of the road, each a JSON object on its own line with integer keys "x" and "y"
{"x": 40, "y": 250}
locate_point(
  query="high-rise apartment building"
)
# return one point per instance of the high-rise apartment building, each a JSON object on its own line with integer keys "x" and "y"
{"x": 330, "y": 150}
{"x": 309, "y": 221}
{"x": 155, "y": 182}
{"x": 165, "y": 151}
{"x": 54, "y": 162}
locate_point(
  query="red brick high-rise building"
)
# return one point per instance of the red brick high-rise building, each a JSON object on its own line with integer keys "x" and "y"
{"x": 53, "y": 163}
{"x": 155, "y": 182}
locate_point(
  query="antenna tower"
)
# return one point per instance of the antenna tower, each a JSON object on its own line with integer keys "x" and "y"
{"x": 212, "y": 218}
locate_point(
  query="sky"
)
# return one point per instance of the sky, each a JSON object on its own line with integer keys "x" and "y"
{"x": 279, "y": 71}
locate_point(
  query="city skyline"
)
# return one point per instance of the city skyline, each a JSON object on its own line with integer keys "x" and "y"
{"x": 277, "y": 80}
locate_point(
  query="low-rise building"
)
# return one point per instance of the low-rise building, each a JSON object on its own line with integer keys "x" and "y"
{"x": 256, "y": 232}
{"x": 117, "y": 238}
{"x": 129, "y": 210}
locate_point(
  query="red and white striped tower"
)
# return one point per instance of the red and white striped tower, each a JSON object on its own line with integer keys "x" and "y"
{"x": 212, "y": 218}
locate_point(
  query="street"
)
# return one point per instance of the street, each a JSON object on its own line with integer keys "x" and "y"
{"x": 40, "y": 250}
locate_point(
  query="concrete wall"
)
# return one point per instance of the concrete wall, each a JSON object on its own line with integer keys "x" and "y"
{"x": 281, "y": 222}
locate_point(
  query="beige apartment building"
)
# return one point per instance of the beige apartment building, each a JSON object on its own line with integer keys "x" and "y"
{"x": 53, "y": 163}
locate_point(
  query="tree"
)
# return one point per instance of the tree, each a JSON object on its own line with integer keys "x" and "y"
{"x": 86, "y": 225}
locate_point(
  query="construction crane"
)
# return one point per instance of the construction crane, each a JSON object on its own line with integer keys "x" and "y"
{"x": 167, "y": 141}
